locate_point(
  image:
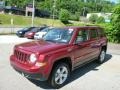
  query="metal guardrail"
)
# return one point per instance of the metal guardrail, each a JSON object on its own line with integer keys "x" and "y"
{"x": 8, "y": 30}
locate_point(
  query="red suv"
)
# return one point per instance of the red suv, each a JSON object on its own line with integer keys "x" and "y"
{"x": 61, "y": 51}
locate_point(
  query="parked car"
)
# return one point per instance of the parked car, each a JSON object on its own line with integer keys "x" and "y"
{"x": 61, "y": 51}
{"x": 30, "y": 34}
{"x": 41, "y": 33}
{"x": 22, "y": 32}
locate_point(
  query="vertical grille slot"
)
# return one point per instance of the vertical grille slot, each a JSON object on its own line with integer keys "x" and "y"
{"x": 21, "y": 56}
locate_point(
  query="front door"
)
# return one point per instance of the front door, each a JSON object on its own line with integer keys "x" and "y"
{"x": 82, "y": 48}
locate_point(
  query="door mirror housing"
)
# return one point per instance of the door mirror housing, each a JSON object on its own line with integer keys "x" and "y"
{"x": 79, "y": 43}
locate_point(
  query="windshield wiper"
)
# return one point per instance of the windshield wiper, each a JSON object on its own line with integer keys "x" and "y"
{"x": 50, "y": 41}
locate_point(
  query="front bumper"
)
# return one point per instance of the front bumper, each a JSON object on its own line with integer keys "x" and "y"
{"x": 27, "y": 71}
{"x": 20, "y": 35}
{"x": 35, "y": 76}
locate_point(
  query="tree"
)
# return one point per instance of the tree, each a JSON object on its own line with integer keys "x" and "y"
{"x": 118, "y": 1}
{"x": 18, "y": 3}
{"x": 73, "y": 6}
{"x": 64, "y": 15}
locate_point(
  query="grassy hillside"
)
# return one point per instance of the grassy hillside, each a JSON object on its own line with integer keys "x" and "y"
{"x": 5, "y": 20}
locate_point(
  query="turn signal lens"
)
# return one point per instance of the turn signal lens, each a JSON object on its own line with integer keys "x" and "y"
{"x": 39, "y": 64}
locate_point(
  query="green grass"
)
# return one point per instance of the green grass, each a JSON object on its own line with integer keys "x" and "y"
{"x": 22, "y": 21}
{"x": 5, "y": 20}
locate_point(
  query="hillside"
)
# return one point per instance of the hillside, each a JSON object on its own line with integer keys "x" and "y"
{"x": 5, "y": 20}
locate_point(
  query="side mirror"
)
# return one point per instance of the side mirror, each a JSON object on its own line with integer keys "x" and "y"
{"x": 78, "y": 43}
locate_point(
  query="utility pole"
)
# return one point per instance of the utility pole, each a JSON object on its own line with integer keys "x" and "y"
{"x": 54, "y": 6}
{"x": 84, "y": 9}
{"x": 33, "y": 12}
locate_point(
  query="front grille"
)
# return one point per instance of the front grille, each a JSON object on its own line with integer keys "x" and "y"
{"x": 21, "y": 56}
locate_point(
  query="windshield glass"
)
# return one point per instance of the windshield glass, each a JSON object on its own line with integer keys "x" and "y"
{"x": 58, "y": 35}
{"x": 34, "y": 29}
{"x": 26, "y": 28}
{"x": 45, "y": 30}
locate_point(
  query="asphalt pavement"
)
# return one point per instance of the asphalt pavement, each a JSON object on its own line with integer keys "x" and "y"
{"x": 92, "y": 76}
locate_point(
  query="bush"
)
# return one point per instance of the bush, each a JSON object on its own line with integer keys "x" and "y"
{"x": 77, "y": 14}
{"x": 100, "y": 19}
{"x": 108, "y": 29}
{"x": 64, "y": 15}
{"x": 93, "y": 18}
{"x": 115, "y": 32}
{"x": 113, "y": 29}
{"x": 74, "y": 17}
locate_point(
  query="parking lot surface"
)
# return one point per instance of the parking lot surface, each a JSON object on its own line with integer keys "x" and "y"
{"x": 89, "y": 77}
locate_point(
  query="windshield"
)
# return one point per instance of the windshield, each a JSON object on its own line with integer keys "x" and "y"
{"x": 34, "y": 29}
{"x": 26, "y": 28}
{"x": 58, "y": 35}
{"x": 45, "y": 30}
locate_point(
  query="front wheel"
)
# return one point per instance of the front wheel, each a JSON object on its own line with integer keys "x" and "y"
{"x": 59, "y": 75}
{"x": 101, "y": 57}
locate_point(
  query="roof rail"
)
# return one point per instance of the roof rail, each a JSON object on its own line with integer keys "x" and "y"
{"x": 91, "y": 25}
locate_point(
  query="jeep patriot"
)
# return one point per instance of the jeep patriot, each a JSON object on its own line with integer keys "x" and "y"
{"x": 61, "y": 51}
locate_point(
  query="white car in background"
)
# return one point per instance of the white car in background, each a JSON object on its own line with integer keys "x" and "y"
{"x": 41, "y": 33}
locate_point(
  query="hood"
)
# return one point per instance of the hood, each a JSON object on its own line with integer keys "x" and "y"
{"x": 40, "y": 46}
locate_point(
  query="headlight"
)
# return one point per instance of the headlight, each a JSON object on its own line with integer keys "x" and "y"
{"x": 20, "y": 32}
{"x": 33, "y": 58}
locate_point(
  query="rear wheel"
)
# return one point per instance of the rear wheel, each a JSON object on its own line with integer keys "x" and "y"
{"x": 101, "y": 57}
{"x": 59, "y": 75}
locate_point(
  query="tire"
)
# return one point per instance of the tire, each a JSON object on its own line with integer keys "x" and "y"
{"x": 59, "y": 75}
{"x": 101, "y": 57}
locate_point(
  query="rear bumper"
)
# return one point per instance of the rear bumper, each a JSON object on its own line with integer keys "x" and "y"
{"x": 27, "y": 71}
{"x": 29, "y": 36}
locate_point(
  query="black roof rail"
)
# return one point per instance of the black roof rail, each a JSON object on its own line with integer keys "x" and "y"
{"x": 92, "y": 25}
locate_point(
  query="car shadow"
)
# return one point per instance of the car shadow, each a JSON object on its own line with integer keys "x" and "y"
{"x": 75, "y": 74}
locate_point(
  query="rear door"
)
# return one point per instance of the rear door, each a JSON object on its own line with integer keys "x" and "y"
{"x": 94, "y": 43}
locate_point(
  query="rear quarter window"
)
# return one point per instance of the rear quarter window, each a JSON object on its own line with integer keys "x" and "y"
{"x": 101, "y": 32}
{"x": 93, "y": 33}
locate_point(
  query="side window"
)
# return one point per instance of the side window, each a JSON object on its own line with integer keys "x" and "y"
{"x": 101, "y": 32}
{"x": 93, "y": 33}
{"x": 82, "y": 36}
